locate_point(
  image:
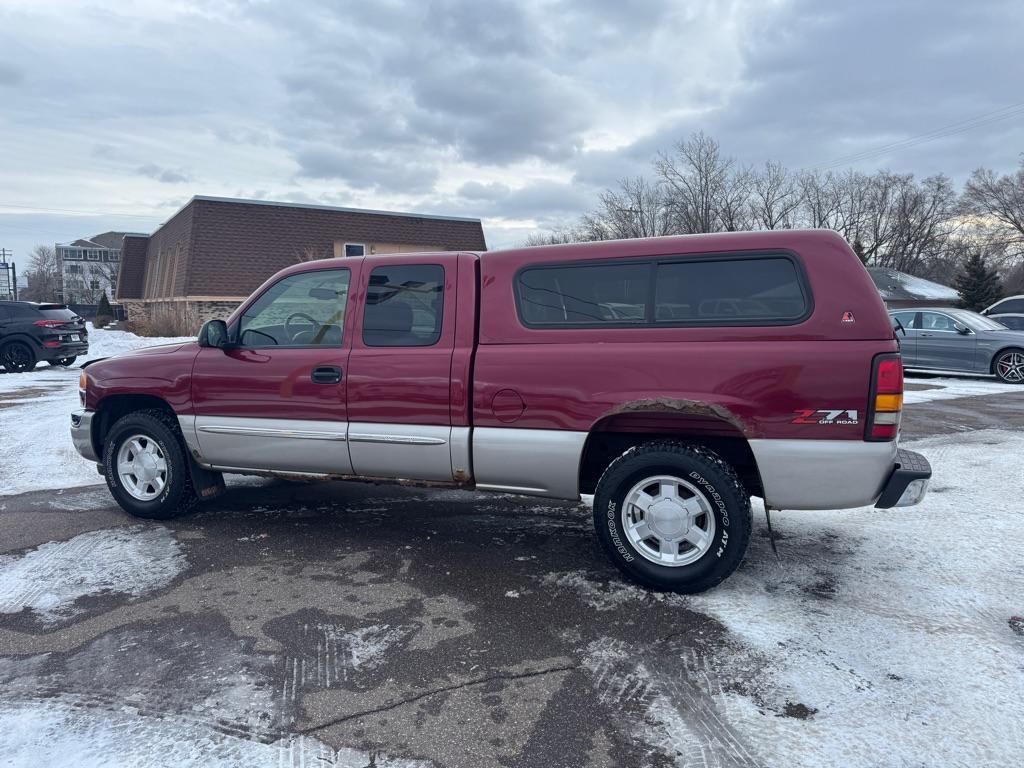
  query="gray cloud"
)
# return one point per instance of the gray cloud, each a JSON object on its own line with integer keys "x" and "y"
{"x": 10, "y": 75}
{"x": 163, "y": 175}
{"x": 365, "y": 170}
{"x": 384, "y": 104}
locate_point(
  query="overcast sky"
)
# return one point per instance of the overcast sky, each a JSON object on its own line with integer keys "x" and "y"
{"x": 518, "y": 113}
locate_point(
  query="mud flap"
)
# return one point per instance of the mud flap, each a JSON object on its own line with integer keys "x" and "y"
{"x": 207, "y": 483}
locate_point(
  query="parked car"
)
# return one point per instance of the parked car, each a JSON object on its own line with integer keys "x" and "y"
{"x": 1010, "y": 306}
{"x": 944, "y": 340}
{"x": 548, "y": 371}
{"x": 1013, "y": 322}
{"x": 30, "y": 332}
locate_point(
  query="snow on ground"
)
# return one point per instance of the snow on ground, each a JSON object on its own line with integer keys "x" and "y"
{"x": 49, "y": 579}
{"x": 56, "y": 730}
{"x": 885, "y": 635}
{"x": 951, "y": 388}
{"x": 35, "y": 409}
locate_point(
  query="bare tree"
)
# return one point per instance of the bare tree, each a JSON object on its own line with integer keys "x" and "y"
{"x": 43, "y": 275}
{"x": 921, "y": 223}
{"x": 637, "y": 209}
{"x": 704, "y": 191}
{"x": 775, "y": 198}
{"x": 1000, "y": 199}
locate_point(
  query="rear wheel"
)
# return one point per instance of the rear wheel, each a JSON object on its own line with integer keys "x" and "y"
{"x": 673, "y": 516}
{"x": 17, "y": 357}
{"x": 1009, "y": 366}
{"x": 65, "y": 361}
{"x": 146, "y": 467}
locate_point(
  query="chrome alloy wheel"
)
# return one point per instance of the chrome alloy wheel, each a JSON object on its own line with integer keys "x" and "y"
{"x": 142, "y": 467}
{"x": 1010, "y": 367}
{"x": 668, "y": 521}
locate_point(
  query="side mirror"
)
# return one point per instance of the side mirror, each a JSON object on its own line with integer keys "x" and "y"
{"x": 214, "y": 333}
{"x": 963, "y": 330}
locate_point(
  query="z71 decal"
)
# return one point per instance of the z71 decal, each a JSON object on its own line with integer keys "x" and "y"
{"x": 826, "y": 416}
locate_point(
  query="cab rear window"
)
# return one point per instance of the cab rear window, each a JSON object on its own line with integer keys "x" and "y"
{"x": 743, "y": 289}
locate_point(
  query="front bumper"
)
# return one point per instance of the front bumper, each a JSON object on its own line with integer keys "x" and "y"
{"x": 908, "y": 482}
{"x": 81, "y": 434}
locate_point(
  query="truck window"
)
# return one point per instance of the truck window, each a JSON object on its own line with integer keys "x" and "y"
{"x": 302, "y": 310}
{"x": 730, "y": 290}
{"x": 740, "y": 290}
{"x": 404, "y": 306}
{"x": 587, "y": 294}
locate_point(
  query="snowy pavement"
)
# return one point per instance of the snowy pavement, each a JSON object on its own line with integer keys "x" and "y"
{"x": 354, "y": 625}
{"x": 35, "y": 411}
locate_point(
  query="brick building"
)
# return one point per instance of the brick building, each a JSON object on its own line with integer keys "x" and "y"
{"x": 209, "y": 256}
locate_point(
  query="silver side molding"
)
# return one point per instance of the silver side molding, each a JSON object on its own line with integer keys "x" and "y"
{"x": 299, "y": 434}
{"x": 368, "y": 437}
{"x": 537, "y": 462}
{"x": 823, "y": 474}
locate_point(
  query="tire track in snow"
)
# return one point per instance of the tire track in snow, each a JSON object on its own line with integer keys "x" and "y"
{"x": 671, "y": 700}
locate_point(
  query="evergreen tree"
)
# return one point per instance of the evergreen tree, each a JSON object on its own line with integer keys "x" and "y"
{"x": 104, "y": 309}
{"x": 978, "y": 285}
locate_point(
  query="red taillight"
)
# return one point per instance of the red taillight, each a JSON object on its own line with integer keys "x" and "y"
{"x": 889, "y": 376}
{"x": 886, "y": 406}
{"x": 50, "y": 323}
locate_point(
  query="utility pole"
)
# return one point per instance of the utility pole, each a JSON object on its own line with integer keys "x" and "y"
{"x": 9, "y": 276}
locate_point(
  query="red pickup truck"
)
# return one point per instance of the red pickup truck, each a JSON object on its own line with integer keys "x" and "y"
{"x": 673, "y": 378}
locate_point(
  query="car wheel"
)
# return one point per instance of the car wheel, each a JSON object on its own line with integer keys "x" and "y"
{"x": 17, "y": 357}
{"x": 1009, "y": 366}
{"x": 146, "y": 467}
{"x": 64, "y": 361}
{"x": 673, "y": 516}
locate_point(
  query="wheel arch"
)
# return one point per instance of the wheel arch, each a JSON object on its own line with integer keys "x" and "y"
{"x": 615, "y": 433}
{"x": 113, "y": 407}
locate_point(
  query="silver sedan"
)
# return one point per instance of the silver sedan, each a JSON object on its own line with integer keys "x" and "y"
{"x": 945, "y": 340}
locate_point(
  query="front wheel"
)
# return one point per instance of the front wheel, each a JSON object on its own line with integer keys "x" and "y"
{"x": 146, "y": 467}
{"x": 1009, "y": 366}
{"x": 673, "y": 516}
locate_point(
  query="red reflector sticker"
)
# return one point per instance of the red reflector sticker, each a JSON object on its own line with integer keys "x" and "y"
{"x": 848, "y": 317}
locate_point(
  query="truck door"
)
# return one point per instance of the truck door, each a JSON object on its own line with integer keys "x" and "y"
{"x": 276, "y": 400}
{"x": 400, "y": 368}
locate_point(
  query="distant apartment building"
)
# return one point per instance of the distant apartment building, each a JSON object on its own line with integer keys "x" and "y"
{"x": 89, "y": 267}
{"x": 210, "y": 255}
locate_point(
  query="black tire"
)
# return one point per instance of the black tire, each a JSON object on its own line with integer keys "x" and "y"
{"x": 64, "y": 362}
{"x": 17, "y": 357}
{"x": 1010, "y": 374}
{"x": 713, "y": 478}
{"x": 177, "y": 497}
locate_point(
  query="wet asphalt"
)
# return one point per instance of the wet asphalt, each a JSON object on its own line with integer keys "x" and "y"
{"x": 492, "y": 629}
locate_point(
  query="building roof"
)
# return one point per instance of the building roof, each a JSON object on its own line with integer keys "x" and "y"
{"x": 109, "y": 240}
{"x": 894, "y": 285}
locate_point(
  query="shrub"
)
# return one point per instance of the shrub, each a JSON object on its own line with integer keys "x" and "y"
{"x": 102, "y": 321}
